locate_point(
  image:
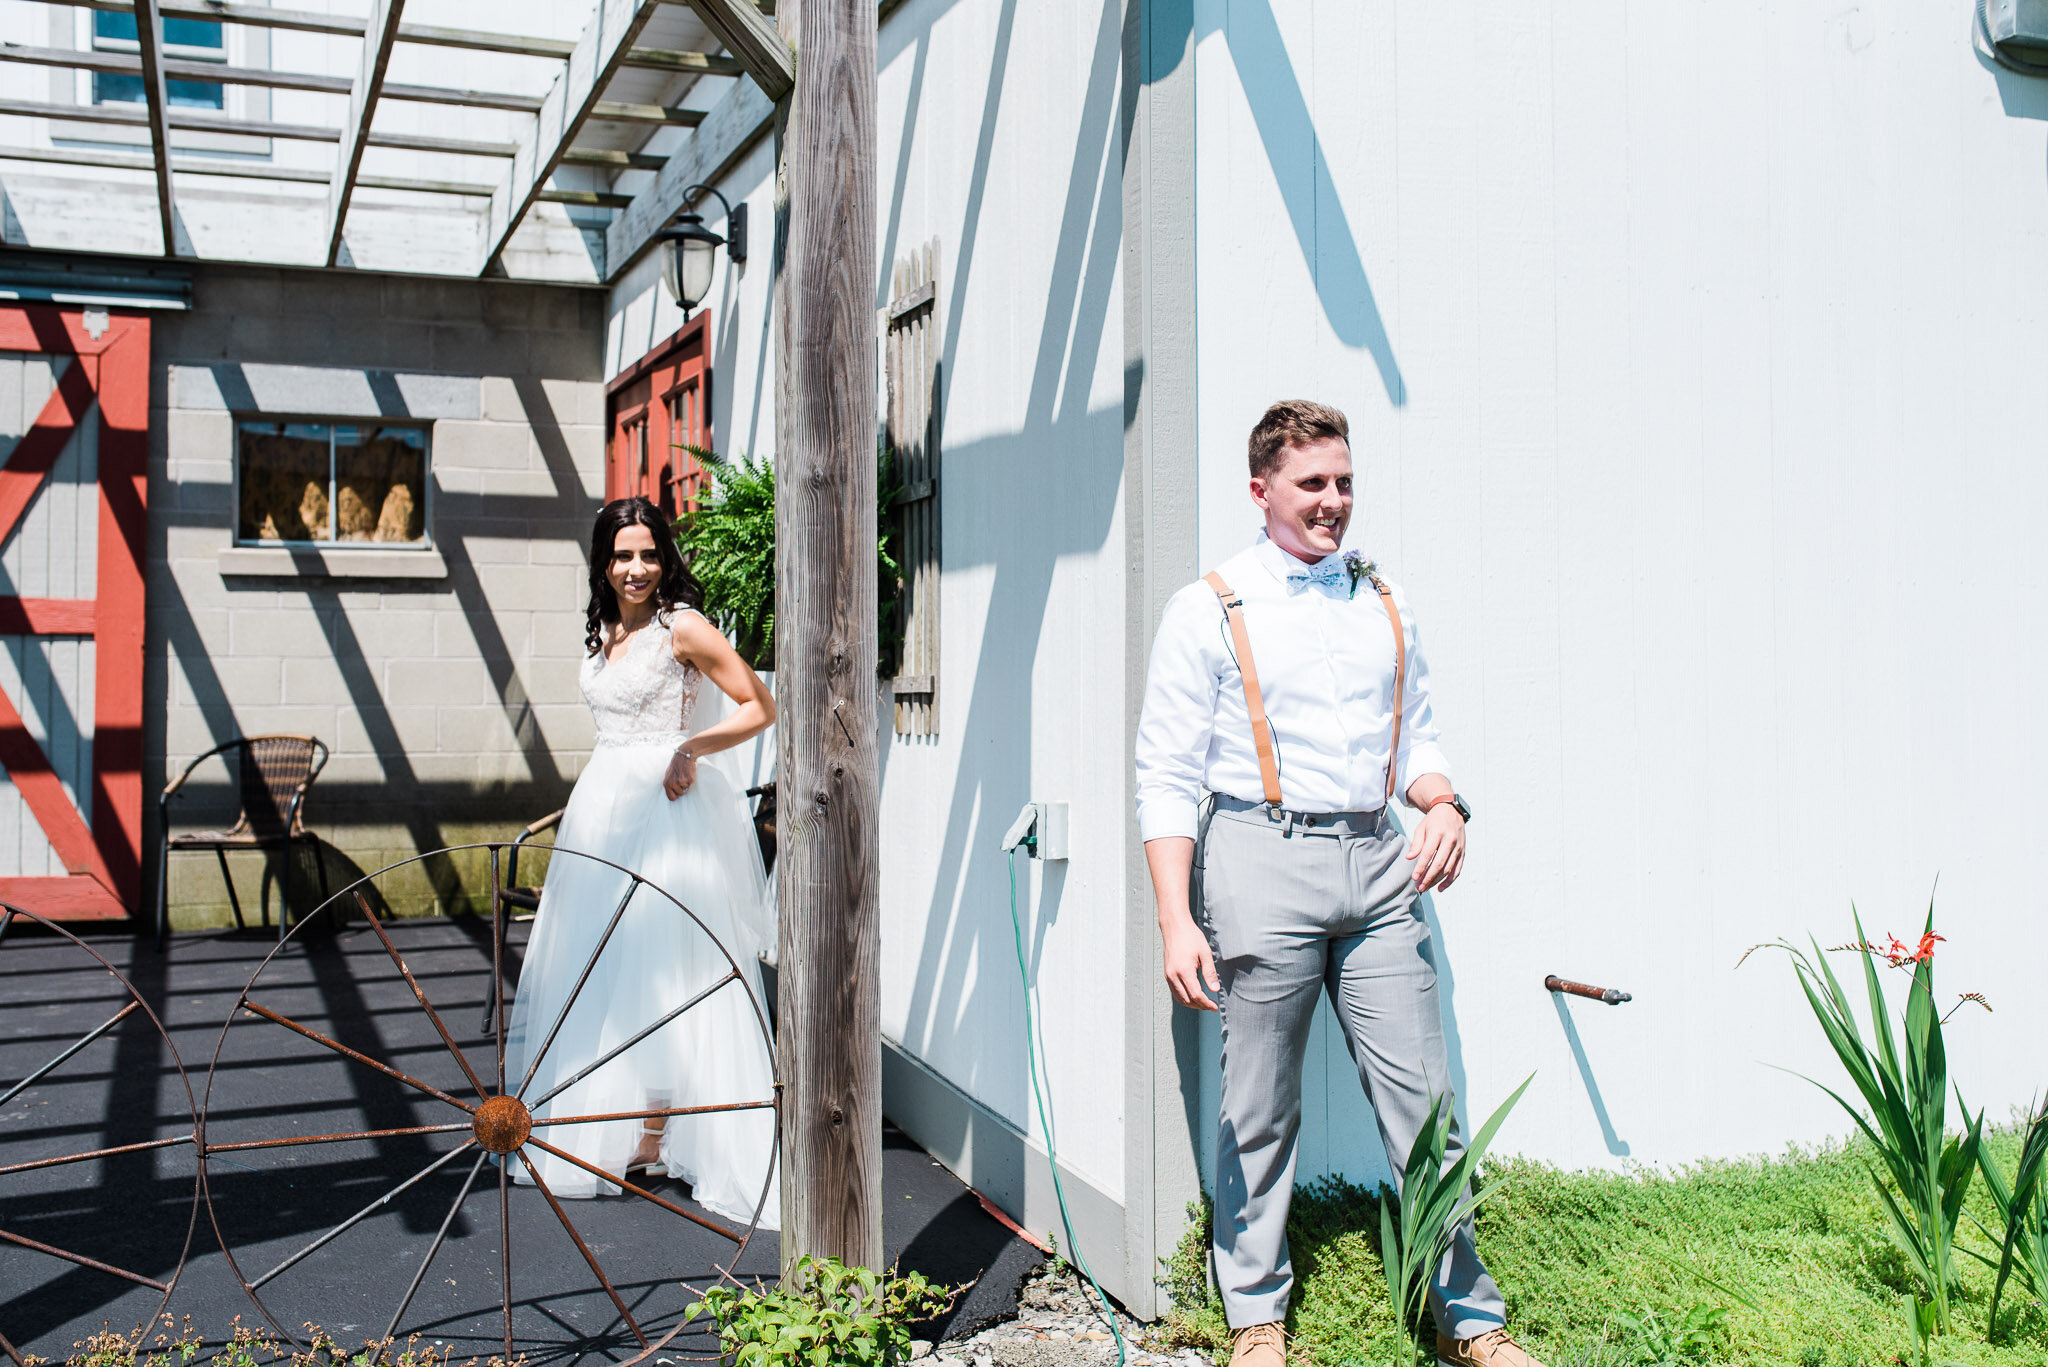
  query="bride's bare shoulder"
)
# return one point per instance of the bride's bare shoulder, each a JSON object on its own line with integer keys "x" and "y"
{"x": 693, "y": 634}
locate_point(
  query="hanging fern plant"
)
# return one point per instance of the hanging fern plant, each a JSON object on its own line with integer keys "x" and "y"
{"x": 729, "y": 542}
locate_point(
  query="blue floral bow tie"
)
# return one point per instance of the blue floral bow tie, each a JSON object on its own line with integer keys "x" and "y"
{"x": 1332, "y": 572}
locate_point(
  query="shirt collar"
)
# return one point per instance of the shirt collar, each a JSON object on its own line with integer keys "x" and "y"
{"x": 1279, "y": 563}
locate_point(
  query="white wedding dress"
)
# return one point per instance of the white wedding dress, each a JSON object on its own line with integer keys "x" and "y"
{"x": 701, "y": 850}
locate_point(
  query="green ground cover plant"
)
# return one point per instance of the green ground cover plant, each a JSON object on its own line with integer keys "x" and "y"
{"x": 166, "y": 1343}
{"x": 827, "y": 1315}
{"x": 1794, "y": 1249}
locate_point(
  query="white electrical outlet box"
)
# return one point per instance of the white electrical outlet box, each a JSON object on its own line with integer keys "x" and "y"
{"x": 1052, "y": 831}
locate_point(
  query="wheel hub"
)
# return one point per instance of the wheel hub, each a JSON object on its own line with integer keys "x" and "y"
{"x": 502, "y": 1124}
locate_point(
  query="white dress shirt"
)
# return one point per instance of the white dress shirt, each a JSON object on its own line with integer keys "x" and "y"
{"x": 1325, "y": 660}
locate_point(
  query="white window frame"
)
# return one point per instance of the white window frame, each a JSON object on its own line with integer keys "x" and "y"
{"x": 332, "y": 544}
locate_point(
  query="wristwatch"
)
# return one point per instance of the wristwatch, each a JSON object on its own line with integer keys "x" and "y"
{"x": 1457, "y": 803}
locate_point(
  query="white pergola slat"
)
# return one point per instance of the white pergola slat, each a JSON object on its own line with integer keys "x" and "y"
{"x": 754, "y": 57}
{"x": 606, "y": 39}
{"x": 379, "y": 37}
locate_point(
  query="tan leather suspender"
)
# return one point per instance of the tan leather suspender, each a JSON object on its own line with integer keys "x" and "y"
{"x": 1255, "y": 702}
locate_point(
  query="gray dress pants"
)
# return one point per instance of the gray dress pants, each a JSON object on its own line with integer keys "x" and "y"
{"x": 1292, "y": 911}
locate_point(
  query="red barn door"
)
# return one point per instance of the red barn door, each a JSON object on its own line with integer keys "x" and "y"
{"x": 657, "y": 406}
{"x": 74, "y": 415}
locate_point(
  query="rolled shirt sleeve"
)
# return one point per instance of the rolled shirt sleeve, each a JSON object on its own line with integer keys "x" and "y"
{"x": 1420, "y": 751}
{"x": 1179, "y": 717}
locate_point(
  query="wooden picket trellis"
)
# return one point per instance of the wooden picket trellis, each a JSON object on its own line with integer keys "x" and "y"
{"x": 105, "y": 365}
{"x": 910, "y": 347}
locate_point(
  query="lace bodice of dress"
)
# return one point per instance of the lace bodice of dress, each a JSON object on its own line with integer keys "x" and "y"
{"x": 644, "y": 697}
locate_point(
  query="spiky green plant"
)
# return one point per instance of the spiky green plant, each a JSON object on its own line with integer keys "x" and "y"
{"x": 1416, "y": 1230}
{"x": 1906, "y": 1096}
{"x": 729, "y": 542}
{"x": 2023, "y": 1210}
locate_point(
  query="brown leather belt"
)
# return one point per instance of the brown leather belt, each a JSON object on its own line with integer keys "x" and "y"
{"x": 1255, "y": 702}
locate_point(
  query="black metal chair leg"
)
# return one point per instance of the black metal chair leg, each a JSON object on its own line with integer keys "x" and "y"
{"x": 163, "y": 891}
{"x": 234, "y": 902}
{"x": 284, "y": 893}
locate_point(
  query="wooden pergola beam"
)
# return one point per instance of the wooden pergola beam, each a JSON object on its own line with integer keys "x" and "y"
{"x": 613, "y": 111}
{"x": 131, "y": 116}
{"x": 742, "y": 30}
{"x": 185, "y": 69}
{"x": 576, "y": 92}
{"x": 476, "y": 40}
{"x": 682, "y": 63}
{"x": 613, "y": 159}
{"x": 379, "y": 36}
{"x": 149, "y": 34}
{"x": 241, "y": 170}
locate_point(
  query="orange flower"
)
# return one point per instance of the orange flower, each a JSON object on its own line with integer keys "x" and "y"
{"x": 1926, "y": 950}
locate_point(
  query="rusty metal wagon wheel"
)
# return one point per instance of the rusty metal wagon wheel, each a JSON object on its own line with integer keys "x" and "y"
{"x": 32, "y": 1166}
{"x": 469, "y": 1098}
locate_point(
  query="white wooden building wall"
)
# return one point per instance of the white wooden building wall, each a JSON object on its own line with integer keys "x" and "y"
{"x": 1694, "y": 358}
{"x": 52, "y": 554}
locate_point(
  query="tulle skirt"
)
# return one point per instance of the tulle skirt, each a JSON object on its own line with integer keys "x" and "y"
{"x": 701, "y": 850}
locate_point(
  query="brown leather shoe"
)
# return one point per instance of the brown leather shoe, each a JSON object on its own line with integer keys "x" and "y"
{"x": 1494, "y": 1348}
{"x": 1259, "y": 1345}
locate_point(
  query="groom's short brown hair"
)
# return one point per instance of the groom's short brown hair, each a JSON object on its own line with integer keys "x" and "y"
{"x": 1293, "y": 422}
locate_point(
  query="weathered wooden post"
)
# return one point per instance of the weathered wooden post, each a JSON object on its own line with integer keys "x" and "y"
{"x": 829, "y": 1035}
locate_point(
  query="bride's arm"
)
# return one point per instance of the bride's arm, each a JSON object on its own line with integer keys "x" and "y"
{"x": 699, "y": 643}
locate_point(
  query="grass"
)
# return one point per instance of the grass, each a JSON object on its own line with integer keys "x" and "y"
{"x": 1801, "y": 1238}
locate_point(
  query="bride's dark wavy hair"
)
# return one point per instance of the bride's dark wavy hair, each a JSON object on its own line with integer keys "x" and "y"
{"x": 677, "y": 587}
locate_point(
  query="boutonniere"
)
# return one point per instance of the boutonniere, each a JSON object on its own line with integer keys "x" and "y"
{"x": 1360, "y": 568}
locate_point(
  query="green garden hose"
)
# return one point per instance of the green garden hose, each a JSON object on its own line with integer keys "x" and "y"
{"x": 1052, "y": 1156}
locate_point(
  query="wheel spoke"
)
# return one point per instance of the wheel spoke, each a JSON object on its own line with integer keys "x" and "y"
{"x": 95, "y": 1153}
{"x": 664, "y": 1111}
{"x": 352, "y": 1221}
{"x": 621, "y": 1182}
{"x": 5, "y": 1346}
{"x": 498, "y": 961}
{"x": 84, "y": 1040}
{"x": 581, "y": 1247}
{"x": 505, "y": 1247}
{"x": 425, "y": 1005}
{"x": 440, "y": 1237}
{"x": 81, "y": 1260}
{"x": 391, "y": 1330}
{"x": 561, "y": 1087}
{"x": 338, "y": 1047}
{"x": 243, "y": 1144}
{"x": 577, "y": 990}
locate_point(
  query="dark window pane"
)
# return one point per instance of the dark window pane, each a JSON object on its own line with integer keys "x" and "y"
{"x": 184, "y": 32}
{"x": 284, "y": 481}
{"x": 114, "y": 88}
{"x": 195, "y": 94}
{"x": 380, "y": 480}
{"x": 188, "y": 32}
{"x": 111, "y": 88}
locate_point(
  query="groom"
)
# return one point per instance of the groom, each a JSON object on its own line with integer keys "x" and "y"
{"x": 1287, "y": 703}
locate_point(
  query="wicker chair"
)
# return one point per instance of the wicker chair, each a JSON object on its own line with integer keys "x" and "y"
{"x": 274, "y": 775}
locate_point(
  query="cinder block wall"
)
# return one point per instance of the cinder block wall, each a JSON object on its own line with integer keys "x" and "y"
{"x": 450, "y": 700}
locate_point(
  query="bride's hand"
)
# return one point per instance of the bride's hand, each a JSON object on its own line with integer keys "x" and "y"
{"x": 681, "y": 775}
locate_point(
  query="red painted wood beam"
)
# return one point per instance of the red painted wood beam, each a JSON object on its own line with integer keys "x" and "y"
{"x": 47, "y": 616}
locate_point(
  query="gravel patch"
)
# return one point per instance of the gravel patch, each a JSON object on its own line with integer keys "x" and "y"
{"x": 1058, "y": 1324}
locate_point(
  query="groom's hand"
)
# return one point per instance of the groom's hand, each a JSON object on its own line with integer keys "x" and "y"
{"x": 1190, "y": 967}
{"x": 1438, "y": 848}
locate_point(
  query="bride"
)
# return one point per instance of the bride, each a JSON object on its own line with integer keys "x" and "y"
{"x": 646, "y": 803}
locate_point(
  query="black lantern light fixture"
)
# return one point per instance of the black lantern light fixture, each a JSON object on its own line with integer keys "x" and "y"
{"x": 689, "y": 250}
